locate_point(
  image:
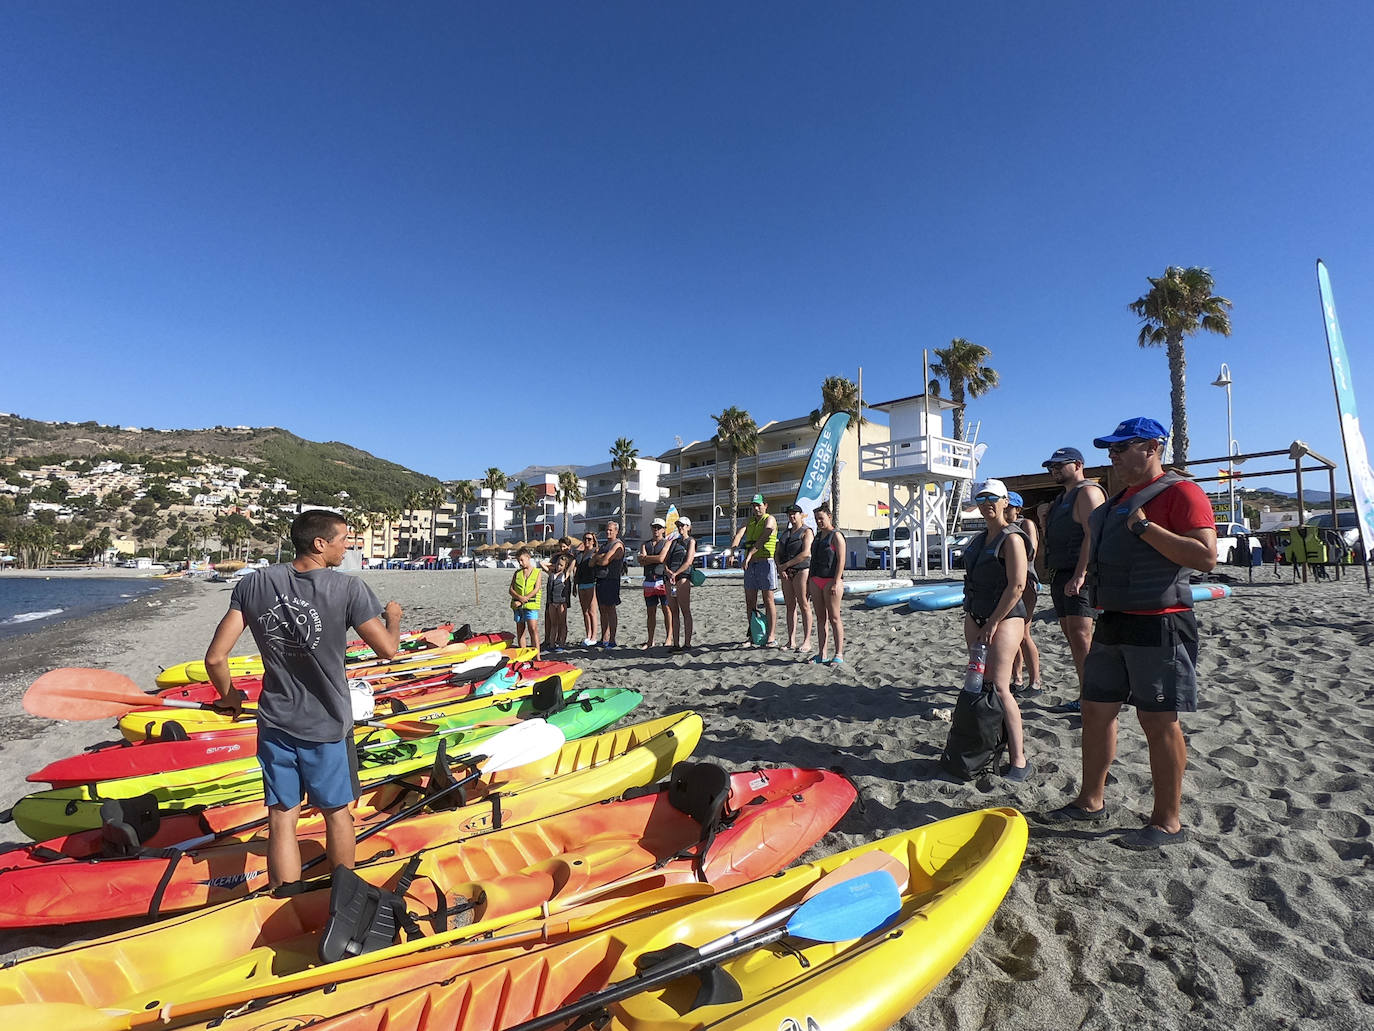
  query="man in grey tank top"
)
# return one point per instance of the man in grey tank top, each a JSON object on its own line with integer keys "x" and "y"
{"x": 1065, "y": 521}
{"x": 299, "y": 613}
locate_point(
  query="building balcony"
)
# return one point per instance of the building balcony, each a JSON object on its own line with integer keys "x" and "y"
{"x": 917, "y": 458}
{"x": 721, "y": 469}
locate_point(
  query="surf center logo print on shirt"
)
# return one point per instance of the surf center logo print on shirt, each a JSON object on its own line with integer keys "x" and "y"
{"x": 292, "y": 626}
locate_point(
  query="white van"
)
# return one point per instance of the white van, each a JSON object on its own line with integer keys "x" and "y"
{"x": 879, "y": 545}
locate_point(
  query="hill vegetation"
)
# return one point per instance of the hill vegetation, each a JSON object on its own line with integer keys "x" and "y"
{"x": 318, "y": 472}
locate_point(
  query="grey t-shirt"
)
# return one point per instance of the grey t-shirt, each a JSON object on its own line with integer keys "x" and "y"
{"x": 300, "y": 622}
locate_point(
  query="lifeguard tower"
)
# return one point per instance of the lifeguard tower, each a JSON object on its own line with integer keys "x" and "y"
{"x": 920, "y": 457}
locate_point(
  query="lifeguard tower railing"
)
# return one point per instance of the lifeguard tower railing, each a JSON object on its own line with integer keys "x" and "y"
{"x": 912, "y": 458}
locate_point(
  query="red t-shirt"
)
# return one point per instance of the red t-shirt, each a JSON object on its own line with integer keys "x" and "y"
{"x": 1180, "y": 509}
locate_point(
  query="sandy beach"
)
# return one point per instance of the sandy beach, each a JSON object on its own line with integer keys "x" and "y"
{"x": 1263, "y": 919}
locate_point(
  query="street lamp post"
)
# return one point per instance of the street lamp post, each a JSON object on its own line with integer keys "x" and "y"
{"x": 1224, "y": 380}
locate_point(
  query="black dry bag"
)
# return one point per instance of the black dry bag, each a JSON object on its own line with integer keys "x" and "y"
{"x": 977, "y": 734}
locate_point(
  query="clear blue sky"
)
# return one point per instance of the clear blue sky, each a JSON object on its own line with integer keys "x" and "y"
{"x": 427, "y": 229}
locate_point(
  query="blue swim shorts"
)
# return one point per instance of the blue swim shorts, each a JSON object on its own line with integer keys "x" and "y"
{"x": 294, "y": 770}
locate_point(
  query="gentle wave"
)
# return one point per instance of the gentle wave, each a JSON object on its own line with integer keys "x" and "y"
{"x": 29, "y": 617}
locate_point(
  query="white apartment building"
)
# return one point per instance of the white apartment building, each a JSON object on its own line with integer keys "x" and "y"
{"x": 696, "y": 477}
{"x": 602, "y": 492}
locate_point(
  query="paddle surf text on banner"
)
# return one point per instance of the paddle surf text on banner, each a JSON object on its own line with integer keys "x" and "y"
{"x": 1356, "y": 454}
{"x": 816, "y": 480}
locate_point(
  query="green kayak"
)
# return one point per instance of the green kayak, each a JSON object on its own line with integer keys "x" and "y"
{"x": 50, "y": 814}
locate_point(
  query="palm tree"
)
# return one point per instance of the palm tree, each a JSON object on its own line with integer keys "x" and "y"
{"x": 738, "y": 434}
{"x": 1180, "y": 303}
{"x": 569, "y": 491}
{"x": 623, "y": 457}
{"x": 389, "y": 514}
{"x": 962, "y": 365}
{"x": 493, "y": 481}
{"x": 525, "y": 498}
{"x": 414, "y": 500}
{"x": 838, "y": 394}
{"x": 431, "y": 498}
{"x": 464, "y": 494}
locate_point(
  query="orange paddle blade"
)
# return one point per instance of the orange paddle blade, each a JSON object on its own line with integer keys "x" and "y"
{"x": 84, "y": 694}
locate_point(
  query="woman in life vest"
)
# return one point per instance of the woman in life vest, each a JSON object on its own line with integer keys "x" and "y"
{"x": 584, "y": 581}
{"x": 824, "y": 581}
{"x": 524, "y": 600}
{"x": 559, "y": 597}
{"x": 995, "y": 564}
{"x": 682, "y": 556}
{"x": 653, "y": 557}
{"x": 794, "y": 570}
{"x": 1028, "y": 658}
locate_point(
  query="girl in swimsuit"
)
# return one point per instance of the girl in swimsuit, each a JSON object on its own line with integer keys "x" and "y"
{"x": 825, "y": 581}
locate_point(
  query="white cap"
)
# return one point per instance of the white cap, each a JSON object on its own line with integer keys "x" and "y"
{"x": 995, "y": 487}
{"x": 683, "y": 521}
{"x": 658, "y": 522}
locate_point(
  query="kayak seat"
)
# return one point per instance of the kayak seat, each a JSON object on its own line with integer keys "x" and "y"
{"x": 364, "y": 917}
{"x": 173, "y": 731}
{"x": 547, "y": 697}
{"x": 445, "y": 792}
{"x": 702, "y": 791}
{"x": 126, "y": 823}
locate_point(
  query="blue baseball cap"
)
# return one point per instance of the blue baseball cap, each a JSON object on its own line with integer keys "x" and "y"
{"x": 1139, "y": 428}
{"x": 1064, "y": 454}
{"x": 1015, "y": 499}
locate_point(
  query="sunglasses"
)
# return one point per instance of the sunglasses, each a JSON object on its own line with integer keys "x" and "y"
{"x": 987, "y": 499}
{"x": 1122, "y": 446}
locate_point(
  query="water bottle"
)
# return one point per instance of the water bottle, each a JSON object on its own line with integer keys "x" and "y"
{"x": 977, "y": 663}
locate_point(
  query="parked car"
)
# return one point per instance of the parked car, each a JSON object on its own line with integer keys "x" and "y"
{"x": 879, "y": 547}
{"x": 1227, "y": 543}
{"x": 1347, "y": 525}
{"x": 957, "y": 544}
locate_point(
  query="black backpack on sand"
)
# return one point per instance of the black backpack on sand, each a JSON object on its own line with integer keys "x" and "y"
{"x": 977, "y": 734}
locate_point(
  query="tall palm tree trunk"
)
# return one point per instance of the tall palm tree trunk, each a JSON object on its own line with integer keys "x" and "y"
{"x": 1178, "y": 405}
{"x": 734, "y": 495}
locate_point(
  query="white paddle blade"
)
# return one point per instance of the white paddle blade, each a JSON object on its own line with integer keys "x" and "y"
{"x": 526, "y": 742}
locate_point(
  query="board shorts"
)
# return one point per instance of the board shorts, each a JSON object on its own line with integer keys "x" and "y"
{"x": 608, "y": 591}
{"x": 526, "y": 615}
{"x": 1079, "y": 604}
{"x": 761, "y": 575}
{"x": 655, "y": 593}
{"x": 325, "y": 773}
{"x": 1149, "y": 661}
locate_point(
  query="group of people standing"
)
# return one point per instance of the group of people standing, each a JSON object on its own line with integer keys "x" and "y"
{"x": 1133, "y": 636}
{"x": 808, "y": 563}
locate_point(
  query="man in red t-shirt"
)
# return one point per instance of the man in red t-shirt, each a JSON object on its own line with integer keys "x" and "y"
{"x": 1143, "y": 543}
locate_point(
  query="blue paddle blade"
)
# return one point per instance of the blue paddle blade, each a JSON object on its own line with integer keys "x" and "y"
{"x": 849, "y": 910}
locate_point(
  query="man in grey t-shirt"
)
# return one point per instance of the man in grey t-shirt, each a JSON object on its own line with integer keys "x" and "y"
{"x": 299, "y": 614}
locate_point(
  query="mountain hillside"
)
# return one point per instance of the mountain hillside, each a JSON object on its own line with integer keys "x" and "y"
{"x": 318, "y": 471}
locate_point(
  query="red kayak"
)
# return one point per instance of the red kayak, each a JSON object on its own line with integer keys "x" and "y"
{"x": 133, "y": 759}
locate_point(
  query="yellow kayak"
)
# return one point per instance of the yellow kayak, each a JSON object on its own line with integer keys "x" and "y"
{"x": 184, "y": 673}
{"x": 952, "y": 875}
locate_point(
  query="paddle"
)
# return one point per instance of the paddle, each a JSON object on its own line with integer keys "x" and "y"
{"x": 526, "y": 742}
{"x": 96, "y": 694}
{"x": 844, "y": 912}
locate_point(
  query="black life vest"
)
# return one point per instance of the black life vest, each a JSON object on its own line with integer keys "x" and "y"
{"x": 1127, "y": 574}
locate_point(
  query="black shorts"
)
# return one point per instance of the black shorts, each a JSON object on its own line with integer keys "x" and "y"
{"x": 608, "y": 591}
{"x": 1079, "y": 604}
{"x": 1150, "y": 661}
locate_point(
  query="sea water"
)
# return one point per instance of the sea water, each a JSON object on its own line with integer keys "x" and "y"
{"x": 29, "y": 603}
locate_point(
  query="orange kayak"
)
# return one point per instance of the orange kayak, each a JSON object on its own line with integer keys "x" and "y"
{"x": 259, "y": 945}
{"x": 78, "y": 877}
